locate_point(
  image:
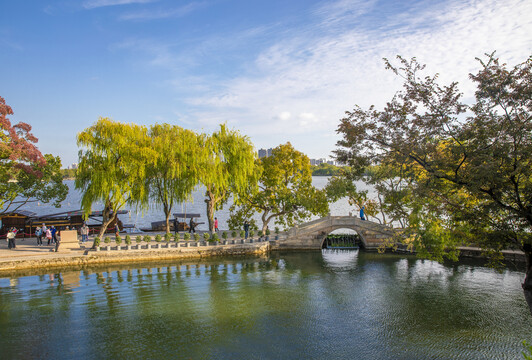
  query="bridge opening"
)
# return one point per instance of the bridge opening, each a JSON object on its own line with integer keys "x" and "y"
{"x": 336, "y": 240}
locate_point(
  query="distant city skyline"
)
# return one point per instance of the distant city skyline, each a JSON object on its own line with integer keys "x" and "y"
{"x": 277, "y": 71}
{"x": 314, "y": 162}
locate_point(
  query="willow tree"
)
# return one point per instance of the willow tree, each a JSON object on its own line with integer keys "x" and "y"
{"x": 112, "y": 166}
{"x": 285, "y": 192}
{"x": 174, "y": 173}
{"x": 228, "y": 168}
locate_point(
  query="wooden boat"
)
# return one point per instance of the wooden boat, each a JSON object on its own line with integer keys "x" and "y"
{"x": 182, "y": 223}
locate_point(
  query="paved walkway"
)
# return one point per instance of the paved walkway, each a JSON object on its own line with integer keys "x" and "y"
{"x": 27, "y": 249}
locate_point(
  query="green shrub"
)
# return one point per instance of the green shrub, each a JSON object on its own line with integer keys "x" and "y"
{"x": 267, "y": 231}
{"x": 196, "y": 236}
{"x": 118, "y": 240}
{"x": 215, "y": 237}
{"x": 186, "y": 236}
{"x": 138, "y": 239}
{"x": 107, "y": 240}
{"x": 167, "y": 237}
{"x": 251, "y": 233}
{"x": 233, "y": 234}
{"x": 147, "y": 238}
{"x": 277, "y": 230}
{"x": 96, "y": 241}
{"x": 206, "y": 236}
{"x": 242, "y": 233}
{"x": 158, "y": 238}
{"x": 128, "y": 240}
{"x": 176, "y": 237}
{"x": 224, "y": 235}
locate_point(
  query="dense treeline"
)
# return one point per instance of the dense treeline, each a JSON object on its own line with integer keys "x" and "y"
{"x": 68, "y": 174}
{"x": 326, "y": 170}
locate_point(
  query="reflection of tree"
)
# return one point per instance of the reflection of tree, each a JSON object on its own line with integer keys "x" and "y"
{"x": 31, "y": 312}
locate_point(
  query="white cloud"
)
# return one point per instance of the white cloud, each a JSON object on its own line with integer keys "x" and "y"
{"x": 326, "y": 75}
{"x": 91, "y": 4}
{"x": 163, "y": 13}
{"x": 322, "y": 70}
{"x": 285, "y": 115}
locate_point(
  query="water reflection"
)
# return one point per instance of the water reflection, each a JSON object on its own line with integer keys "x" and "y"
{"x": 331, "y": 304}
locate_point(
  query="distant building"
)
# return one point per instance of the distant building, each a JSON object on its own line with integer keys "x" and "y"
{"x": 318, "y": 162}
{"x": 265, "y": 153}
{"x": 74, "y": 166}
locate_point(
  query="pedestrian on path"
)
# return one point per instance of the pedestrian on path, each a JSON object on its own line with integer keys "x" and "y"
{"x": 216, "y": 224}
{"x": 176, "y": 227}
{"x": 48, "y": 235}
{"x": 84, "y": 233}
{"x": 57, "y": 243}
{"x": 54, "y": 234}
{"x": 362, "y": 217}
{"x": 11, "y": 235}
{"x": 38, "y": 233}
{"x": 192, "y": 225}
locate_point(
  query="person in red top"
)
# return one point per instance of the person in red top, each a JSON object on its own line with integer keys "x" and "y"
{"x": 215, "y": 224}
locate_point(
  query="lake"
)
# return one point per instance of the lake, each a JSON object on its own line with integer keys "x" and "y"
{"x": 197, "y": 205}
{"x": 330, "y": 304}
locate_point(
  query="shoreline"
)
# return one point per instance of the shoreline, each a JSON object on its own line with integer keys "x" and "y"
{"x": 44, "y": 258}
{"x": 28, "y": 257}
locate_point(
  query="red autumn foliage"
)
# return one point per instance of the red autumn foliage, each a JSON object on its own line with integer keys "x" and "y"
{"x": 17, "y": 149}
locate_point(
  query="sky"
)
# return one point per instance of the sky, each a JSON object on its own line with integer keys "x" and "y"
{"x": 276, "y": 70}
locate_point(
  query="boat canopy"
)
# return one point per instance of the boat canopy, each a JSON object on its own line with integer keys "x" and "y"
{"x": 187, "y": 215}
{"x": 77, "y": 213}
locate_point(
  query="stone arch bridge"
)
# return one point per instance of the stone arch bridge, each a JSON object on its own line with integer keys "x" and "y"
{"x": 311, "y": 235}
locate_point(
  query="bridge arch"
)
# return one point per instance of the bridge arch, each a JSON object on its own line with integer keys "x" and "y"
{"x": 352, "y": 237}
{"x": 312, "y": 234}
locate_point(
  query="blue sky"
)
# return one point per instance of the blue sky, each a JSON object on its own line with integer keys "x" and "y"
{"x": 277, "y": 71}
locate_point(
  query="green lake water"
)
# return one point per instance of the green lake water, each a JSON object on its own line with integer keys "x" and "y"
{"x": 332, "y": 304}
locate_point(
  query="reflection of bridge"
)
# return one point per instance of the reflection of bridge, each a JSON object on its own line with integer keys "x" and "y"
{"x": 311, "y": 235}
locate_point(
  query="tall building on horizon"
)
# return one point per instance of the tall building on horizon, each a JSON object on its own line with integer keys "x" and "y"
{"x": 265, "y": 153}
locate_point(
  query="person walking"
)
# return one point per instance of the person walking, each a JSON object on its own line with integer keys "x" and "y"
{"x": 57, "y": 242}
{"x": 117, "y": 229}
{"x": 48, "y": 235}
{"x": 246, "y": 229}
{"x": 362, "y": 216}
{"x": 176, "y": 227}
{"x": 11, "y": 235}
{"x": 84, "y": 233}
{"x": 54, "y": 234}
{"x": 38, "y": 233}
{"x": 192, "y": 225}
{"x": 216, "y": 224}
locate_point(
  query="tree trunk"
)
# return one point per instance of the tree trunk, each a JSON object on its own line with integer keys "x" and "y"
{"x": 167, "y": 213}
{"x": 210, "y": 210}
{"x": 265, "y": 222}
{"x": 106, "y": 220}
{"x": 527, "y": 284}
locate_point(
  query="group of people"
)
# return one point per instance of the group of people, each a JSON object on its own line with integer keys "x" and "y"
{"x": 50, "y": 233}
